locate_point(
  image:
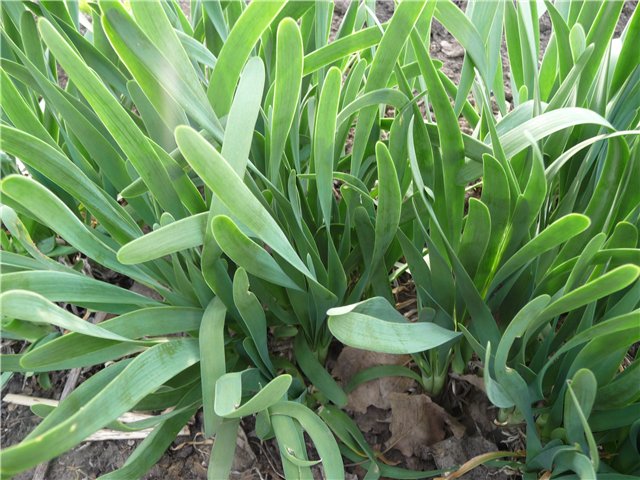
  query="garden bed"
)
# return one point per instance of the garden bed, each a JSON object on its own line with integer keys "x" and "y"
{"x": 420, "y": 433}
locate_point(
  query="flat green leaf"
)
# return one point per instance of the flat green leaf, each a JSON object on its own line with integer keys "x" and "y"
{"x": 319, "y": 433}
{"x": 610, "y": 282}
{"x": 180, "y": 235}
{"x": 579, "y": 400}
{"x": 498, "y": 395}
{"x": 52, "y": 212}
{"x": 393, "y": 41}
{"x": 254, "y": 319}
{"x": 19, "y": 233}
{"x": 228, "y": 404}
{"x": 475, "y": 236}
{"x": 456, "y": 22}
{"x": 286, "y": 95}
{"x": 74, "y": 350}
{"x": 316, "y": 372}
{"x": 242, "y": 116}
{"x": 450, "y": 211}
{"x": 150, "y": 450}
{"x": 75, "y": 288}
{"x": 236, "y": 50}
{"x": 517, "y": 327}
{"x": 167, "y": 62}
{"x": 514, "y": 141}
{"x": 341, "y": 47}
{"x": 323, "y": 141}
{"x": 555, "y": 234}
{"x": 248, "y": 254}
{"x": 626, "y": 322}
{"x": 79, "y": 120}
{"x": 389, "y": 203}
{"x": 124, "y": 130}
{"x": 629, "y": 56}
{"x": 376, "y": 326}
{"x": 290, "y": 437}
{"x": 380, "y": 371}
{"x": 387, "y": 96}
{"x": 52, "y": 163}
{"x": 142, "y": 376}
{"x": 212, "y": 360}
{"x": 223, "y": 450}
{"x": 29, "y": 306}
{"x": 234, "y": 194}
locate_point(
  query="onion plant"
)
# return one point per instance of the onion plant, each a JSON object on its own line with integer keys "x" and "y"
{"x": 257, "y": 175}
{"x": 543, "y": 265}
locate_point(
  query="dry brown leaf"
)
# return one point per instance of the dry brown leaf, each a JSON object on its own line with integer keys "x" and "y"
{"x": 375, "y": 393}
{"x": 417, "y": 422}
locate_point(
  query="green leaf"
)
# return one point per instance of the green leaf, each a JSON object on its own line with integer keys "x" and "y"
{"x": 456, "y": 22}
{"x": 180, "y": 235}
{"x": 58, "y": 168}
{"x": 555, "y": 234}
{"x": 599, "y": 35}
{"x": 50, "y": 211}
{"x": 610, "y": 282}
{"x": 498, "y": 395}
{"x": 290, "y": 437}
{"x": 629, "y": 56}
{"x": 234, "y": 194}
{"x": 340, "y": 48}
{"x": 151, "y": 449}
{"x": 179, "y": 75}
{"x": 75, "y": 288}
{"x": 124, "y": 130}
{"x": 286, "y": 95}
{"x": 376, "y": 326}
{"x": 380, "y": 371}
{"x": 248, "y": 254}
{"x": 320, "y": 434}
{"x": 393, "y": 41}
{"x": 142, "y": 376}
{"x": 389, "y": 204}
{"x": 517, "y": 327}
{"x": 241, "y": 120}
{"x": 166, "y": 61}
{"x": 29, "y": 306}
{"x": 625, "y": 322}
{"x": 20, "y": 113}
{"x": 212, "y": 360}
{"x": 74, "y": 350}
{"x": 79, "y": 122}
{"x": 20, "y": 234}
{"x": 316, "y": 373}
{"x": 514, "y": 141}
{"x": 579, "y": 400}
{"x": 475, "y": 237}
{"x": 553, "y": 169}
{"x": 228, "y": 405}
{"x": 236, "y": 50}
{"x": 223, "y": 450}
{"x": 254, "y": 319}
{"x": 449, "y": 211}
{"x": 323, "y": 142}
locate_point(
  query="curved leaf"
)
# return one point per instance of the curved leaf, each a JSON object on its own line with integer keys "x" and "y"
{"x": 376, "y": 326}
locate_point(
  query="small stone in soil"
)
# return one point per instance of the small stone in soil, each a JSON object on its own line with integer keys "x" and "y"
{"x": 452, "y": 50}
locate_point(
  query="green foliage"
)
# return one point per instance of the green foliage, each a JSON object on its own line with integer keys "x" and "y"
{"x": 208, "y": 158}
